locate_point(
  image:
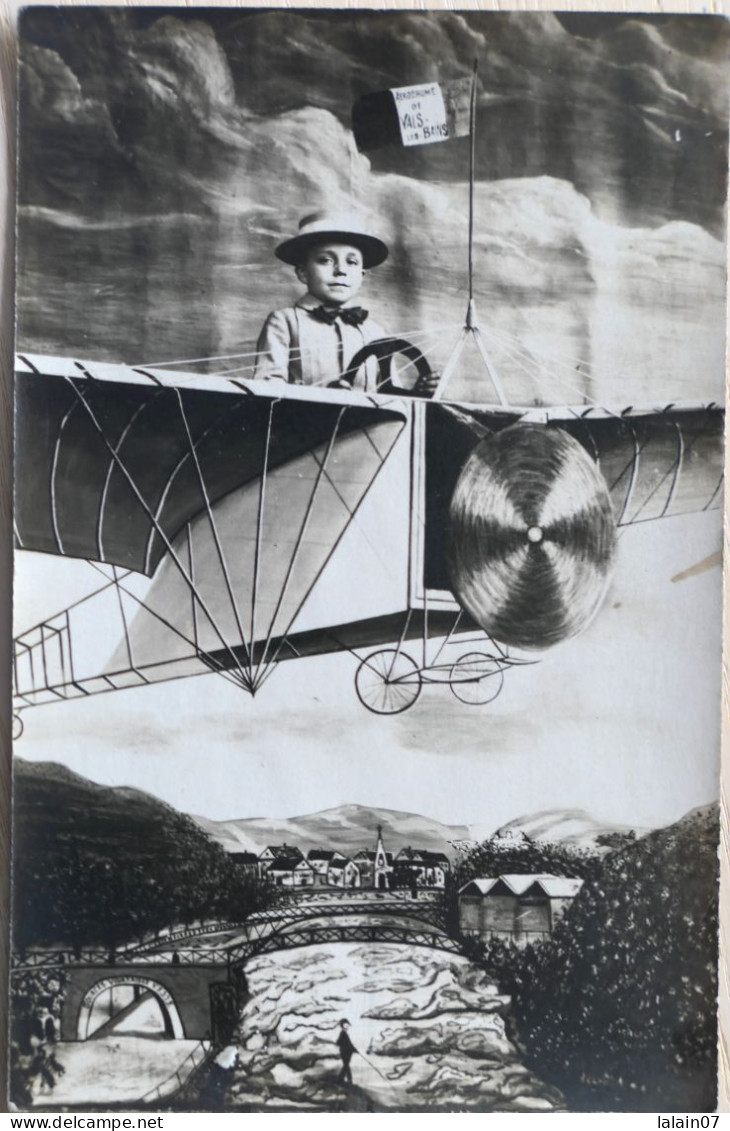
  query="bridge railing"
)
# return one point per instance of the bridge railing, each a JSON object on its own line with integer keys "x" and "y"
{"x": 166, "y": 950}
{"x": 180, "y": 1076}
{"x": 192, "y": 956}
{"x": 299, "y": 909}
{"x": 361, "y": 933}
{"x": 366, "y": 895}
{"x": 156, "y": 941}
{"x": 34, "y": 960}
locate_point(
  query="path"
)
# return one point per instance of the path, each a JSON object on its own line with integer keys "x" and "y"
{"x": 112, "y": 1070}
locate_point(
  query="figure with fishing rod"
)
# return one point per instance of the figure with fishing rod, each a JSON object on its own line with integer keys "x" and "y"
{"x": 347, "y": 1051}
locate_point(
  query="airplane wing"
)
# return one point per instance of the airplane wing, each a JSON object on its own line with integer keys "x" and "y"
{"x": 658, "y": 464}
{"x": 238, "y": 493}
{"x": 235, "y": 498}
{"x": 112, "y": 462}
{"x": 659, "y": 461}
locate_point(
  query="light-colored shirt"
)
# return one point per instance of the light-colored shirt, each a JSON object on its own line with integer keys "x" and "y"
{"x": 295, "y": 347}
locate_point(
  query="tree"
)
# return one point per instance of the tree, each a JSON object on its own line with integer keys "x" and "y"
{"x": 113, "y": 871}
{"x": 494, "y": 857}
{"x": 620, "y": 1002}
{"x": 616, "y": 840}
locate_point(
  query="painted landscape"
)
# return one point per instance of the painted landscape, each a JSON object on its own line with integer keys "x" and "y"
{"x": 115, "y": 883}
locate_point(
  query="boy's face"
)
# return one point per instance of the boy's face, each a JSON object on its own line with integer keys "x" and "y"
{"x": 332, "y": 272}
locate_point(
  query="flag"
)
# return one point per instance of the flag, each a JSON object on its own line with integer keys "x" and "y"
{"x": 412, "y": 115}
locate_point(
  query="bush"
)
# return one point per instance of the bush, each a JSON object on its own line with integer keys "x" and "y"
{"x": 618, "y": 1007}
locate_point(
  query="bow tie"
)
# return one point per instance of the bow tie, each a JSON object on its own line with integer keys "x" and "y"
{"x": 350, "y": 315}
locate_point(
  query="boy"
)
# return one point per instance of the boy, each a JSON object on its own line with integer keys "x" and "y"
{"x": 314, "y": 341}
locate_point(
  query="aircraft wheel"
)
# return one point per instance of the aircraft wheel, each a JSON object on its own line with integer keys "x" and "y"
{"x": 476, "y": 678}
{"x": 388, "y": 682}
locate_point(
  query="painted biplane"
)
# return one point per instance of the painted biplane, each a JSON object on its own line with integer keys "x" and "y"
{"x": 238, "y": 523}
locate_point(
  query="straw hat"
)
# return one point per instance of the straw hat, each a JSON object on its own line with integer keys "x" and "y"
{"x": 344, "y": 227}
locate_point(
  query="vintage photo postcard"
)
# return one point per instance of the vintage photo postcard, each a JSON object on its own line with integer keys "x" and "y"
{"x": 369, "y": 403}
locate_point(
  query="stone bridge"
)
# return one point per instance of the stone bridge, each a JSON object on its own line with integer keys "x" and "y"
{"x": 186, "y": 996}
{"x": 196, "y": 975}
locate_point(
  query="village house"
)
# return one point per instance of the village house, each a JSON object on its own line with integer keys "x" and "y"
{"x": 517, "y": 908}
{"x": 286, "y": 866}
{"x": 291, "y": 871}
{"x": 333, "y": 869}
{"x": 274, "y": 852}
{"x": 248, "y": 862}
{"x": 417, "y": 867}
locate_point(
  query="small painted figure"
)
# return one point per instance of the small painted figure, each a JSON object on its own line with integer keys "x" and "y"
{"x": 347, "y": 1051}
{"x": 20, "y": 1078}
{"x": 45, "y": 1065}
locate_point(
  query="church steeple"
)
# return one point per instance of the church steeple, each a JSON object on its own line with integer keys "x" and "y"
{"x": 381, "y": 868}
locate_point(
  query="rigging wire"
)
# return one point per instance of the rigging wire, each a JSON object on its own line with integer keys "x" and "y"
{"x": 255, "y": 353}
{"x": 197, "y": 652}
{"x": 295, "y": 355}
{"x": 143, "y": 502}
{"x": 683, "y": 452}
{"x": 214, "y": 527}
{"x": 511, "y": 346}
{"x": 472, "y": 168}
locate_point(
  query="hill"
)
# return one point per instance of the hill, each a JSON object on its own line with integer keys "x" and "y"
{"x": 101, "y": 865}
{"x": 126, "y": 818}
{"x": 575, "y": 828}
{"x": 347, "y": 828}
{"x": 53, "y": 794}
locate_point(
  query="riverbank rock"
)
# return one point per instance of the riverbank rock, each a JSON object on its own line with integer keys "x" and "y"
{"x": 427, "y": 1025}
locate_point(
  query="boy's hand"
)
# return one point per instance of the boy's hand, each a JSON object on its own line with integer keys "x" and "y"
{"x": 427, "y": 386}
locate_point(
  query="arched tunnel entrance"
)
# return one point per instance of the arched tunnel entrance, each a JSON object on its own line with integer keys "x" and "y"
{"x": 131, "y": 1005}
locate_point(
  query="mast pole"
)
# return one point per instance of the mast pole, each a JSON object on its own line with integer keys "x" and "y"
{"x": 471, "y": 325}
{"x": 472, "y": 173}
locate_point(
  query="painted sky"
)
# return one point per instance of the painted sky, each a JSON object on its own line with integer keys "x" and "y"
{"x": 164, "y": 153}
{"x": 631, "y": 111}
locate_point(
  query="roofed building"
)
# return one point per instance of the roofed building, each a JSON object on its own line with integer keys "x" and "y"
{"x": 248, "y": 862}
{"x": 285, "y": 865}
{"x": 291, "y": 871}
{"x": 274, "y": 851}
{"x": 516, "y": 908}
{"x": 418, "y": 867}
{"x": 333, "y": 869}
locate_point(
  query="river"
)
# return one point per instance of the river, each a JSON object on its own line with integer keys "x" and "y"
{"x": 428, "y": 1027}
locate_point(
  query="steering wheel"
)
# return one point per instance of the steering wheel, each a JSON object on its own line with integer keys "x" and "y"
{"x": 385, "y": 349}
